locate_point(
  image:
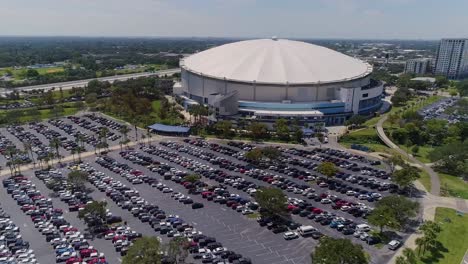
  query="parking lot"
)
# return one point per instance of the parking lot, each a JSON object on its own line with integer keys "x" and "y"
{"x": 438, "y": 110}
{"x": 146, "y": 188}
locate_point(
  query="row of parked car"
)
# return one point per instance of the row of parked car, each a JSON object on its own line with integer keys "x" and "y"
{"x": 218, "y": 194}
{"x": 84, "y": 123}
{"x": 13, "y": 249}
{"x": 305, "y": 209}
{"x": 67, "y": 241}
{"x": 104, "y": 121}
{"x": 37, "y": 145}
{"x": 175, "y": 175}
{"x": 371, "y": 185}
{"x": 288, "y": 185}
{"x": 50, "y": 134}
{"x": 202, "y": 247}
{"x": 6, "y": 144}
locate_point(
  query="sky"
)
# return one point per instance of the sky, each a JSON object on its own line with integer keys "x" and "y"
{"x": 353, "y": 19}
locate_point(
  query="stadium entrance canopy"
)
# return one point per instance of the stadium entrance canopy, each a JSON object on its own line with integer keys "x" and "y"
{"x": 170, "y": 130}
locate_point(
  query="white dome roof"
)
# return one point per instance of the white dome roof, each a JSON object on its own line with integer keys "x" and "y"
{"x": 276, "y": 61}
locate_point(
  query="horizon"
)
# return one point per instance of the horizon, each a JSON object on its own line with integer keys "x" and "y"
{"x": 215, "y": 37}
{"x": 299, "y": 19}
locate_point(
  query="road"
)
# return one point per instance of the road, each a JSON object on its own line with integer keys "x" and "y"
{"x": 83, "y": 83}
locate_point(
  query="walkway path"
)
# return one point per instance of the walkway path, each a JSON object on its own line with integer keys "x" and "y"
{"x": 435, "y": 181}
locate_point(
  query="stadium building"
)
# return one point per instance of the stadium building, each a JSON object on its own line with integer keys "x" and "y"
{"x": 266, "y": 79}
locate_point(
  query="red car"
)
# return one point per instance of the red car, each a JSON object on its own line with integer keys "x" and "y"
{"x": 73, "y": 260}
{"x": 28, "y": 207}
{"x": 85, "y": 253}
{"x": 69, "y": 229}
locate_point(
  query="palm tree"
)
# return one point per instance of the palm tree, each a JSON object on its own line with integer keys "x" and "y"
{"x": 73, "y": 151}
{"x": 420, "y": 242}
{"x": 56, "y": 144}
{"x": 410, "y": 256}
{"x": 148, "y": 136}
{"x": 103, "y": 135}
{"x": 10, "y": 165}
{"x": 124, "y": 132}
{"x": 80, "y": 142}
{"x": 28, "y": 149}
{"x": 401, "y": 260}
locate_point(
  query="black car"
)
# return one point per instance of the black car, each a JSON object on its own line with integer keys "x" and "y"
{"x": 197, "y": 205}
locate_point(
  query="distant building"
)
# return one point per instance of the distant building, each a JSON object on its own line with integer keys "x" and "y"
{"x": 418, "y": 66}
{"x": 452, "y": 58}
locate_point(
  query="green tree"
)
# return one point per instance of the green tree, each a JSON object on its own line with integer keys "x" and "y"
{"x": 410, "y": 256}
{"x": 451, "y": 158}
{"x": 400, "y": 135}
{"x": 328, "y": 169}
{"x": 192, "y": 178}
{"x": 273, "y": 203}
{"x": 282, "y": 129}
{"x": 94, "y": 213}
{"x": 338, "y": 251}
{"x": 393, "y": 212}
{"x": 430, "y": 230}
{"x": 415, "y": 149}
{"x": 406, "y": 176}
{"x": 462, "y": 88}
{"x": 77, "y": 179}
{"x": 223, "y": 128}
{"x": 145, "y": 250}
{"x": 32, "y": 73}
{"x": 393, "y": 161}
{"x": 271, "y": 153}
{"x": 177, "y": 249}
{"x": 356, "y": 120}
{"x": 91, "y": 98}
{"x": 58, "y": 110}
{"x": 124, "y": 132}
{"x": 441, "y": 81}
{"x": 258, "y": 131}
{"x": 298, "y": 134}
{"x": 56, "y": 144}
{"x": 254, "y": 155}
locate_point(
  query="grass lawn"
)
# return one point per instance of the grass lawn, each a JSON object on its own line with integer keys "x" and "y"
{"x": 367, "y": 137}
{"x": 19, "y": 74}
{"x": 44, "y": 113}
{"x": 425, "y": 180}
{"x": 453, "y": 238}
{"x": 423, "y": 153}
{"x": 253, "y": 216}
{"x": 453, "y": 186}
{"x": 154, "y": 115}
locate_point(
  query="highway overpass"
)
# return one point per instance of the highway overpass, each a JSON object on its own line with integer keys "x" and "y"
{"x": 83, "y": 83}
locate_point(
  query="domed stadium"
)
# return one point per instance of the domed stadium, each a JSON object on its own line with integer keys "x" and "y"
{"x": 266, "y": 79}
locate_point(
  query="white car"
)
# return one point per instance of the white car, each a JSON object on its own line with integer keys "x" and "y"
{"x": 290, "y": 235}
{"x": 394, "y": 244}
{"x": 65, "y": 256}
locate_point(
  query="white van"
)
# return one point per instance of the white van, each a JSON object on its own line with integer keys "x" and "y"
{"x": 306, "y": 230}
{"x": 363, "y": 228}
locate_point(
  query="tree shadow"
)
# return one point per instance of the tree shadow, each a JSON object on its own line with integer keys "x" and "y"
{"x": 434, "y": 254}
{"x": 416, "y": 193}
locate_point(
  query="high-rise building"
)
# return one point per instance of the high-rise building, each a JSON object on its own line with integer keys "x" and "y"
{"x": 418, "y": 66}
{"x": 452, "y": 58}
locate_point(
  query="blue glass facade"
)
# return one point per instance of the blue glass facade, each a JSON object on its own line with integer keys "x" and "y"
{"x": 324, "y": 107}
